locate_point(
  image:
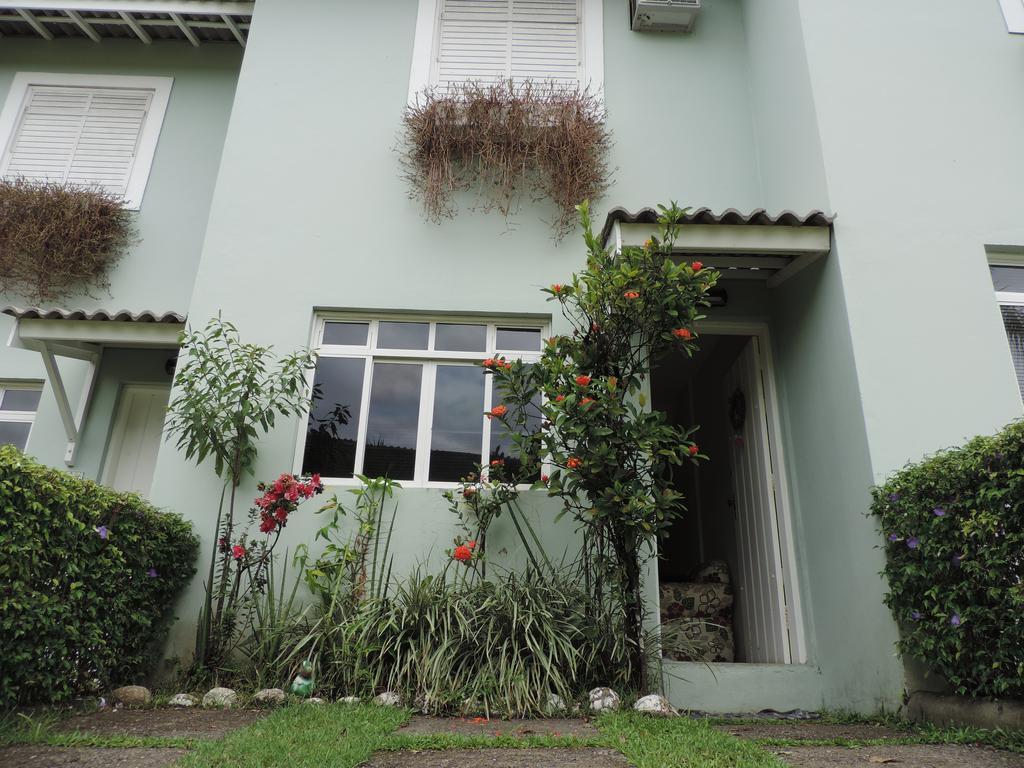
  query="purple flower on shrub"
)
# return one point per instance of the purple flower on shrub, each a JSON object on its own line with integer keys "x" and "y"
{"x": 102, "y": 531}
{"x": 955, "y": 620}
{"x": 913, "y": 542}
{"x": 915, "y": 615}
{"x": 894, "y": 497}
{"x": 894, "y": 537}
{"x": 939, "y": 512}
{"x": 152, "y": 573}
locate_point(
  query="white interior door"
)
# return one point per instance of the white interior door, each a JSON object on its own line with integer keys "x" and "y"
{"x": 135, "y": 440}
{"x": 760, "y": 615}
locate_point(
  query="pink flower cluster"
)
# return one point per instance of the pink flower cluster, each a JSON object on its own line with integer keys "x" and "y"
{"x": 282, "y": 497}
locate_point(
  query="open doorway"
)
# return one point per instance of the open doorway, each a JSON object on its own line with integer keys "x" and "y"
{"x": 725, "y": 571}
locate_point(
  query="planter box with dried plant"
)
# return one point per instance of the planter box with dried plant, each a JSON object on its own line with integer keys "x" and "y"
{"x": 58, "y": 239}
{"x": 502, "y": 140}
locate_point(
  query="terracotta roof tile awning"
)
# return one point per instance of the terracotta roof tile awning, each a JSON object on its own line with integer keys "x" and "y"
{"x": 755, "y": 245}
{"x": 121, "y": 315}
{"x": 83, "y": 335}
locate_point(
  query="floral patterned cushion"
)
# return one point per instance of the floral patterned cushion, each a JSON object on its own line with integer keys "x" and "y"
{"x": 712, "y": 572}
{"x": 697, "y": 640}
{"x": 696, "y": 616}
{"x": 693, "y": 600}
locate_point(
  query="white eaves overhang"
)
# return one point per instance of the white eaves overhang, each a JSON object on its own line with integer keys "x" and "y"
{"x": 195, "y": 21}
{"x": 82, "y": 335}
{"x": 751, "y": 246}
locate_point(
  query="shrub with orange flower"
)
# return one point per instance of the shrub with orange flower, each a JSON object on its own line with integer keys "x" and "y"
{"x": 613, "y": 464}
{"x": 497, "y": 412}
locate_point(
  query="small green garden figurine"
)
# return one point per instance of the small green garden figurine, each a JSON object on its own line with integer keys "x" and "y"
{"x": 302, "y": 685}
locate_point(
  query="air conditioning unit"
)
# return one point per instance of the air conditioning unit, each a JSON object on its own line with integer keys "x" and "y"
{"x": 663, "y": 15}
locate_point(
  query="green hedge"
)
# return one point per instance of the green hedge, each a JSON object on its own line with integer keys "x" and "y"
{"x": 78, "y": 610}
{"x": 954, "y": 527}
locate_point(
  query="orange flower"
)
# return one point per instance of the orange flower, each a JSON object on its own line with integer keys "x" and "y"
{"x": 468, "y": 492}
{"x": 557, "y": 288}
{"x": 505, "y": 366}
{"x": 498, "y": 410}
{"x": 559, "y": 398}
{"x": 697, "y": 266}
{"x": 586, "y": 401}
{"x": 463, "y": 554}
{"x": 471, "y": 544}
{"x": 544, "y": 479}
{"x": 682, "y": 333}
{"x": 573, "y": 462}
{"x": 498, "y": 463}
{"x": 694, "y": 450}
{"x": 488, "y": 363}
{"x": 583, "y": 381}
{"x": 631, "y": 295}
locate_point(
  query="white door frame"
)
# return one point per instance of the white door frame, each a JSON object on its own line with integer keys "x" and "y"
{"x": 120, "y": 423}
{"x": 794, "y": 609}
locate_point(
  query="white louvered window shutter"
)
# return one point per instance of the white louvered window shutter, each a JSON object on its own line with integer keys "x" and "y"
{"x": 77, "y": 135}
{"x": 490, "y": 40}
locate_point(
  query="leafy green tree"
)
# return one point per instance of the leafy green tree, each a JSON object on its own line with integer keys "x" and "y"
{"x": 228, "y": 393}
{"x": 610, "y": 457}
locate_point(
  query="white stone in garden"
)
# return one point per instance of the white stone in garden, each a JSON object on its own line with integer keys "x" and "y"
{"x": 388, "y": 699}
{"x": 315, "y": 700}
{"x": 655, "y": 705}
{"x": 604, "y": 700}
{"x": 556, "y": 703}
{"x": 183, "y": 700}
{"x": 269, "y": 696}
{"x": 225, "y": 698}
{"x": 349, "y": 700}
{"x": 131, "y": 695}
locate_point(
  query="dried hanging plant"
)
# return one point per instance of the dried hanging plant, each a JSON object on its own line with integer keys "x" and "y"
{"x": 58, "y": 239}
{"x": 503, "y": 140}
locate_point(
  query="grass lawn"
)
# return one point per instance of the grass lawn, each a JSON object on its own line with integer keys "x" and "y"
{"x": 344, "y": 736}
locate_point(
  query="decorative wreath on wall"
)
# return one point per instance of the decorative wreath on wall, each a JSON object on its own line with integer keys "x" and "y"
{"x": 737, "y": 411}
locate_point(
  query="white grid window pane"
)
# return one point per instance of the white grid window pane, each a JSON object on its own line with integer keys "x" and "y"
{"x": 1013, "y": 321}
{"x": 15, "y": 433}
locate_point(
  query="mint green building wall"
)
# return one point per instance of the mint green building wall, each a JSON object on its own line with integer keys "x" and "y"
{"x": 920, "y": 118}
{"x": 903, "y": 121}
{"x": 347, "y": 236}
{"x": 695, "y": 119}
{"x": 158, "y": 271}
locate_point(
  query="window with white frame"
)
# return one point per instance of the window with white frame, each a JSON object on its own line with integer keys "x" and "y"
{"x": 1008, "y": 280}
{"x": 557, "y": 41}
{"x": 1013, "y": 12}
{"x": 96, "y": 131}
{"x": 406, "y": 397}
{"x": 18, "y": 406}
